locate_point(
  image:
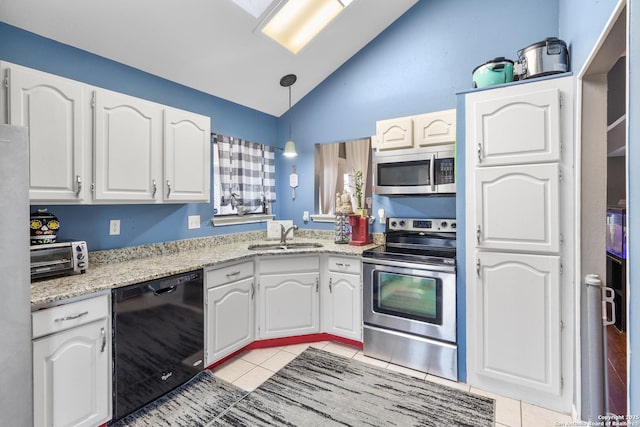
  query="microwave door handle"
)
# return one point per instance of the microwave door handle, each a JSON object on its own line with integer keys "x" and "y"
{"x": 432, "y": 167}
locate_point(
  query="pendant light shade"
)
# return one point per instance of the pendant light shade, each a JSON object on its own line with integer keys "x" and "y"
{"x": 290, "y": 146}
{"x": 290, "y": 149}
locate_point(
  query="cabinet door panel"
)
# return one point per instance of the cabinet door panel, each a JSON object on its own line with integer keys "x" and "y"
{"x": 517, "y": 331}
{"x": 71, "y": 377}
{"x": 230, "y": 318}
{"x": 434, "y": 128}
{"x": 394, "y": 133}
{"x": 127, "y": 144}
{"x": 289, "y": 304}
{"x": 186, "y": 156}
{"x": 517, "y": 208}
{"x": 344, "y": 306}
{"x": 522, "y": 128}
{"x": 52, "y": 108}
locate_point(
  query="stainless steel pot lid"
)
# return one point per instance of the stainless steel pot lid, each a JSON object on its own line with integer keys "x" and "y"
{"x": 554, "y": 45}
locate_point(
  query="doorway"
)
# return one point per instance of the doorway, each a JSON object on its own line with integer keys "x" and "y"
{"x": 603, "y": 144}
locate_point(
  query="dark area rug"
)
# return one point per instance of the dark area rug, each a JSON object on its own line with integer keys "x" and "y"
{"x": 318, "y": 389}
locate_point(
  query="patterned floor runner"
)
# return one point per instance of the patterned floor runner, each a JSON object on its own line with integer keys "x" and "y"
{"x": 318, "y": 389}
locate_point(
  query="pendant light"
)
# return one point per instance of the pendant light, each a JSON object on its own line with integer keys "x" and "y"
{"x": 289, "y": 146}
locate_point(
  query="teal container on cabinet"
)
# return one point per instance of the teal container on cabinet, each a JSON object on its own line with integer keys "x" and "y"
{"x": 494, "y": 72}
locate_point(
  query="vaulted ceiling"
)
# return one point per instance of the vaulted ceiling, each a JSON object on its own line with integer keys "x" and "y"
{"x": 208, "y": 45}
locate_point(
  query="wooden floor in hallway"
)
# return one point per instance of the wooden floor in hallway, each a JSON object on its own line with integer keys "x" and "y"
{"x": 617, "y": 370}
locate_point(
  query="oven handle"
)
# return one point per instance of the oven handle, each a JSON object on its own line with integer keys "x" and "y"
{"x": 431, "y": 267}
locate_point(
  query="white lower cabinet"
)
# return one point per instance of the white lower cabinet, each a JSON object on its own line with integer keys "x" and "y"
{"x": 288, "y": 302}
{"x": 230, "y": 310}
{"x": 72, "y": 364}
{"x": 517, "y": 333}
{"x": 342, "y": 298}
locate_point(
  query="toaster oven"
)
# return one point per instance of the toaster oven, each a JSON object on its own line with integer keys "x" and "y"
{"x": 58, "y": 259}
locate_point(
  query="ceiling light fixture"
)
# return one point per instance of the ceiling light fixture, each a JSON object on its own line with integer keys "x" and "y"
{"x": 294, "y": 23}
{"x": 289, "y": 146}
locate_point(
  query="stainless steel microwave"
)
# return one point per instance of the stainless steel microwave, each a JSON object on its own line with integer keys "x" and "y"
{"x": 416, "y": 171}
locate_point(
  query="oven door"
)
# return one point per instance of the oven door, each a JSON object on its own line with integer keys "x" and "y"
{"x": 418, "y": 299}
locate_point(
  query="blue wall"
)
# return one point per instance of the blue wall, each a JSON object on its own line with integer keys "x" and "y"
{"x": 140, "y": 224}
{"x": 416, "y": 66}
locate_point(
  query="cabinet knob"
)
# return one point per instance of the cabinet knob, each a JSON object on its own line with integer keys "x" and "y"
{"x": 168, "y": 188}
{"x": 479, "y": 152}
{"x": 331, "y": 284}
{"x": 155, "y": 188}
{"x": 478, "y": 233}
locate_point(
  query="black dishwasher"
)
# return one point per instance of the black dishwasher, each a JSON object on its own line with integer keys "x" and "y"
{"x": 158, "y": 339}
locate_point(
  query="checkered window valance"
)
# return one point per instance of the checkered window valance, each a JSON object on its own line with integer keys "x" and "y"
{"x": 246, "y": 172}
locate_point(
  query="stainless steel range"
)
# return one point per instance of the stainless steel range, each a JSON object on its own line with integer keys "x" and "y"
{"x": 410, "y": 296}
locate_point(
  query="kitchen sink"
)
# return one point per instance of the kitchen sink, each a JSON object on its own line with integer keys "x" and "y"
{"x": 285, "y": 246}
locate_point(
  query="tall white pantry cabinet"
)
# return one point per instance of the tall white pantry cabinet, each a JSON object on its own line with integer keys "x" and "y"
{"x": 519, "y": 241}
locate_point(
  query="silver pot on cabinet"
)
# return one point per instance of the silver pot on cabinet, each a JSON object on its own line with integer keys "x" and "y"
{"x": 546, "y": 57}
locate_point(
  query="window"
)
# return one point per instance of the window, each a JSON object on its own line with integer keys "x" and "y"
{"x": 244, "y": 176}
{"x": 334, "y": 172}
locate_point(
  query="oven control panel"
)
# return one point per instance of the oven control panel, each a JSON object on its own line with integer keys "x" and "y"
{"x": 421, "y": 224}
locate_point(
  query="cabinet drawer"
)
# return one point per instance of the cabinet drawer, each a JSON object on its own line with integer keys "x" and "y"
{"x": 290, "y": 264}
{"x": 62, "y": 317}
{"x": 231, "y": 273}
{"x": 344, "y": 265}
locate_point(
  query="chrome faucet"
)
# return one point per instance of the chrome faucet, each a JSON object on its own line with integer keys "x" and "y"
{"x": 284, "y": 232}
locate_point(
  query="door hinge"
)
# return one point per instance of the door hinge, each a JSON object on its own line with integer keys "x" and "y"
{"x": 93, "y": 100}
{"x": 560, "y": 175}
{"x": 561, "y": 101}
{"x": 6, "y": 81}
{"x": 93, "y": 187}
{"x": 561, "y": 268}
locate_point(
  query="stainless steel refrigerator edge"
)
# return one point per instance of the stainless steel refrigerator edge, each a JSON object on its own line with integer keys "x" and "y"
{"x": 16, "y": 401}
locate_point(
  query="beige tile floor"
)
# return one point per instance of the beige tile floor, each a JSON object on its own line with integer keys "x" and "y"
{"x": 250, "y": 369}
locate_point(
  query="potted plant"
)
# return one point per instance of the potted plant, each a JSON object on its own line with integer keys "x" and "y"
{"x": 358, "y": 179}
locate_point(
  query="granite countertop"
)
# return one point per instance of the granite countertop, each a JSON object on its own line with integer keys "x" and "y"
{"x": 122, "y": 267}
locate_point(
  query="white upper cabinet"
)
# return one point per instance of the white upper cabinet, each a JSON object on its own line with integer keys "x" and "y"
{"x": 517, "y": 208}
{"x": 128, "y": 139}
{"x": 434, "y": 128}
{"x": 53, "y": 109}
{"x": 424, "y": 130}
{"x": 187, "y": 161}
{"x": 91, "y": 145}
{"x": 394, "y": 133}
{"x": 516, "y": 128}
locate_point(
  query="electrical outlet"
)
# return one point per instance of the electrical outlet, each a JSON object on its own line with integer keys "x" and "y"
{"x": 193, "y": 221}
{"x": 114, "y": 227}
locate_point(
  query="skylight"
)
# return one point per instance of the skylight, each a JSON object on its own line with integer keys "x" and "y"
{"x": 293, "y": 23}
{"x": 254, "y": 7}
